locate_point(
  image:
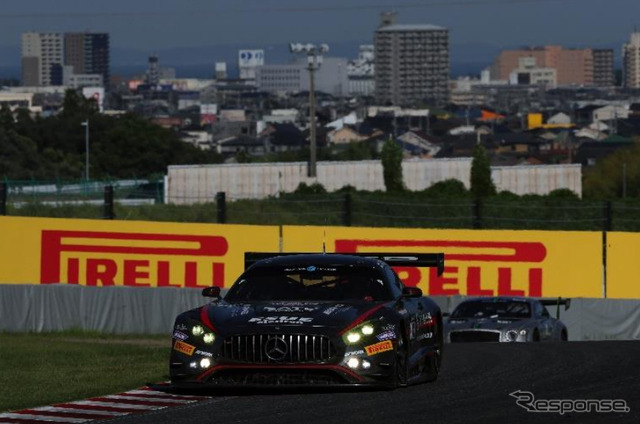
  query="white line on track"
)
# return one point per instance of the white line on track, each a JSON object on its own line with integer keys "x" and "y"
{"x": 43, "y": 418}
{"x": 124, "y": 398}
{"x": 155, "y": 393}
{"x": 78, "y": 411}
{"x": 116, "y": 405}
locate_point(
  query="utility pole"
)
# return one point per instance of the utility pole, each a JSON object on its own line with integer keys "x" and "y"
{"x": 85, "y": 124}
{"x": 314, "y": 61}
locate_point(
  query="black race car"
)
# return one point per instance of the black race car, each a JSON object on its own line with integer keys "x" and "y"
{"x": 312, "y": 319}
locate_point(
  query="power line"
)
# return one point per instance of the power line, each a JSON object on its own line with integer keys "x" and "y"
{"x": 311, "y": 9}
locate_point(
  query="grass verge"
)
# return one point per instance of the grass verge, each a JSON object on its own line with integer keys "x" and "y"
{"x": 41, "y": 369}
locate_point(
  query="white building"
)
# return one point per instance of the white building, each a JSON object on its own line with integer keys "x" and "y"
{"x": 361, "y": 72}
{"x": 42, "y": 58}
{"x": 631, "y": 62}
{"x": 528, "y": 73}
{"x": 330, "y": 78}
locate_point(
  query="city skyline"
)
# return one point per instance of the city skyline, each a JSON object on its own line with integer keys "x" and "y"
{"x": 143, "y": 25}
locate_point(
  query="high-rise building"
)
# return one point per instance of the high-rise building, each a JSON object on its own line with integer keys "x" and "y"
{"x": 603, "y": 68}
{"x": 42, "y": 58}
{"x": 51, "y": 58}
{"x": 88, "y": 53}
{"x": 631, "y": 62}
{"x": 411, "y": 63}
{"x": 153, "y": 70}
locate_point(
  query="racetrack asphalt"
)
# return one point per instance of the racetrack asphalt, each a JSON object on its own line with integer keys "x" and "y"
{"x": 474, "y": 386}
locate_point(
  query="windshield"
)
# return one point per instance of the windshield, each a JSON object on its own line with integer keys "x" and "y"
{"x": 500, "y": 309}
{"x": 309, "y": 283}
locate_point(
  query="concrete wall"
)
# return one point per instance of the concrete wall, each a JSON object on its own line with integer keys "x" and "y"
{"x": 199, "y": 183}
{"x": 126, "y": 310}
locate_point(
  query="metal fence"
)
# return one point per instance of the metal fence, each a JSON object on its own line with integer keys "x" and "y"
{"x": 142, "y": 200}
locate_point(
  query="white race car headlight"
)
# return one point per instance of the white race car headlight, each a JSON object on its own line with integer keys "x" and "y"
{"x": 209, "y": 338}
{"x": 353, "y": 337}
{"x": 197, "y": 330}
{"x": 523, "y": 332}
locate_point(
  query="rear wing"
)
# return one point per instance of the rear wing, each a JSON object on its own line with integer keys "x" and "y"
{"x": 426, "y": 260}
{"x": 557, "y": 302}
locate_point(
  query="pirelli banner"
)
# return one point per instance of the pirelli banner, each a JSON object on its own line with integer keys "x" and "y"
{"x": 477, "y": 262}
{"x": 128, "y": 253}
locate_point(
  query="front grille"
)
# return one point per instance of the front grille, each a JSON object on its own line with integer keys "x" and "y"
{"x": 278, "y": 348}
{"x": 277, "y": 377}
{"x": 474, "y": 336}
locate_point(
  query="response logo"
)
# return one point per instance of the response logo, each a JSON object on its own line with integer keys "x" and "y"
{"x": 474, "y": 268}
{"x": 132, "y": 259}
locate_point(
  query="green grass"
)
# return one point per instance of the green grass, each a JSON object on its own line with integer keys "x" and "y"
{"x": 41, "y": 369}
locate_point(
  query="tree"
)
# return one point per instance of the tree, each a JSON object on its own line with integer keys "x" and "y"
{"x": 391, "y": 157}
{"x": 481, "y": 183}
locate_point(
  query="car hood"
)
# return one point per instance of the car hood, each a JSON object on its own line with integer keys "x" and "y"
{"x": 225, "y": 316}
{"x": 486, "y": 324}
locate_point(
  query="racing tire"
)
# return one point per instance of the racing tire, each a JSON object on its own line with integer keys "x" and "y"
{"x": 536, "y": 336}
{"x": 402, "y": 362}
{"x": 435, "y": 362}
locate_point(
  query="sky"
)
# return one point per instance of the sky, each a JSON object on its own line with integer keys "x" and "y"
{"x": 149, "y": 25}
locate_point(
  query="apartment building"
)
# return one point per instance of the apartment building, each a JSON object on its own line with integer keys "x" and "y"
{"x": 42, "y": 58}
{"x": 631, "y": 62}
{"x": 412, "y": 64}
{"x": 50, "y": 59}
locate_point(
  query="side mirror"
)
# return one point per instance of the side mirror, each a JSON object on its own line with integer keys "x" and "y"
{"x": 411, "y": 292}
{"x": 211, "y": 292}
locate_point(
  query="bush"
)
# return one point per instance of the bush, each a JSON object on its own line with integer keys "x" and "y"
{"x": 315, "y": 188}
{"x": 447, "y": 188}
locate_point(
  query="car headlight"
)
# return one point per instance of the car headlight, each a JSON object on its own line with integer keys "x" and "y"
{"x": 523, "y": 332}
{"x": 197, "y": 330}
{"x": 209, "y": 338}
{"x": 362, "y": 332}
{"x": 367, "y": 330}
{"x": 353, "y": 337}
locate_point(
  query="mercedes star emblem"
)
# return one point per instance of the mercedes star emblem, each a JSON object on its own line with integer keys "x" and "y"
{"x": 276, "y": 349}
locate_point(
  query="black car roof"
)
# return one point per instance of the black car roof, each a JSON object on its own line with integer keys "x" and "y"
{"x": 318, "y": 259}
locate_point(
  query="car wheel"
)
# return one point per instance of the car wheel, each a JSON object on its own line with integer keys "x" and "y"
{"x": 536, "y": 335}
{"x": 564, "y": 336}
{"x": 402, "y": 362}
{"x": 434, "y": 362}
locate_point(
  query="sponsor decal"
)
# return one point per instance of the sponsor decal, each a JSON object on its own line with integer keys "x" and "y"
{"x": 424, "y": 336}
{"x": 374, "y": 349}
{"x": 311, "y": 268}
{"x": 181, "y": 327}
{"x": 97, "y": 258}
{"x": 418, "y": 323}
{"x": 387, "y": 335}
{"x": 180, "y": 335}
{"x": 289, "y": 309}
{"x": 203, "y": 353}
{"x": 183, "y": 347}
{"x": 470, "y": 260}
{"x": 280, "y": 320}
{"x": 354, "y": 353}
{"x": 333, "y": 309}
{"x": 527, "y": 401}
